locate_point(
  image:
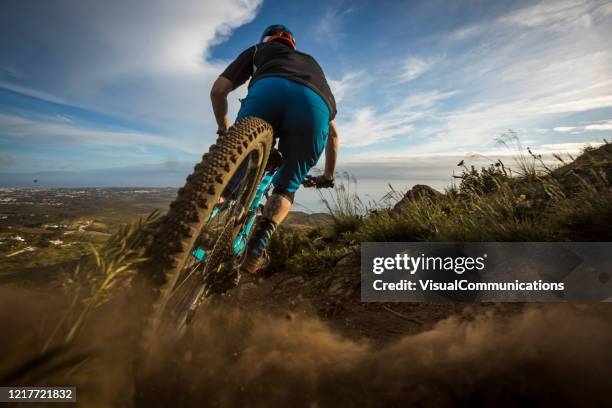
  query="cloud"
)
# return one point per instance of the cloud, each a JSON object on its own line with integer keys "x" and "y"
{"x": 147, "y": 61}
{"x": 570, "y": 147}
{"x": 564, "y": 129}
{"x": 512, "y": 79}
{"x": 345, "y": 85}
{"x": 592, "y": 127}
{"x": 549, "y": 15}
{"x": 413, "y": 67}
{"x": 552, "y": 14}
{"x": 368, "y": 125}
{"x": 51, "y": 130}
{"x": 532, "y": 66}
{"x": 365, "y": 128}
{"x": 34, "y": 93}
{"x": 600, "y": 126}
{"x": 328, "y": 30}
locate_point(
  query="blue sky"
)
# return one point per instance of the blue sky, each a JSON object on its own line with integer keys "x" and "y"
{"x": 90, "y": 86}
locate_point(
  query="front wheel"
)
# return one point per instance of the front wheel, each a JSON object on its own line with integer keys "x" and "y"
{"x": 196, "y": 236}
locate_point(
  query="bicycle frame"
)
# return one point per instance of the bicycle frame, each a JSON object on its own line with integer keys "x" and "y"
{"x": 241, "y": 239}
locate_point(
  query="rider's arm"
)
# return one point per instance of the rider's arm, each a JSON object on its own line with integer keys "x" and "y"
{"x": 331, "y": 151}
{"x": 237, "y": 73}
{"x": 218, "y": 95}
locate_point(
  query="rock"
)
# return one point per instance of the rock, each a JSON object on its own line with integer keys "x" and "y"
{"x": 419, "y": 191}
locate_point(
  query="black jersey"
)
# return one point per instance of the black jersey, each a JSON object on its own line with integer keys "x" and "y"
{"x": 277, "y": 59}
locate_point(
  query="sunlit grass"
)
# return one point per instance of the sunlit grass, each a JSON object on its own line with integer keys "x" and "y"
{"x": 344, "y": 205}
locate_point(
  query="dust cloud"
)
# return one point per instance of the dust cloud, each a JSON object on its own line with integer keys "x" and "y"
{"x": 551, "y": 354}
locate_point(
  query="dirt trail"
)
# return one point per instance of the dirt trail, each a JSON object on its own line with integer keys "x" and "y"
{"x": 334, "y": 297}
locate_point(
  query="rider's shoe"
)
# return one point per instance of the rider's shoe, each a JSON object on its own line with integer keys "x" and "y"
{"x": 253, "y": 263}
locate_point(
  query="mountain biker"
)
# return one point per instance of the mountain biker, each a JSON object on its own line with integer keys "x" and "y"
{"x": 288, "y": 89}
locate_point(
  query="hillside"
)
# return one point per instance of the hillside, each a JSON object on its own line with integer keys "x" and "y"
{"x": 299, "y": 219}
{"x": 320, "y": 274}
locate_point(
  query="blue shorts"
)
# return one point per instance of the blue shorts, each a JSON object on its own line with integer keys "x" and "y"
{"x": 300, "y": 119}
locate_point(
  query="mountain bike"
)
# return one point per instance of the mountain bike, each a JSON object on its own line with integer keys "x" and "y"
{"x": 203, "y": 237}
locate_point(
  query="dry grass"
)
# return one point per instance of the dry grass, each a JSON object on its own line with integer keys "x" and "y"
{"x": 536, "y": 203}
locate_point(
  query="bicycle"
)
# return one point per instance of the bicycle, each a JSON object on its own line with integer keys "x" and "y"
{"x": 203, "y": 237}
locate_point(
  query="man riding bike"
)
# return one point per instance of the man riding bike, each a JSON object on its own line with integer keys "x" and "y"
{"x": 288, "y": 89}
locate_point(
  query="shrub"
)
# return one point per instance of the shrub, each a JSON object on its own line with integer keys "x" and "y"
{"x": 282, "y": 247}
{"x": 485, "y": 181}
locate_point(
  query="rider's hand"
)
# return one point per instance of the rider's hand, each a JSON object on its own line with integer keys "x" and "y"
{"x": 222, "y": 131}
{"x": 318, "y": 182}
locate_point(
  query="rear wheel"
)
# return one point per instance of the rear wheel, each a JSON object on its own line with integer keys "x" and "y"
{"x": 196, "y": 237}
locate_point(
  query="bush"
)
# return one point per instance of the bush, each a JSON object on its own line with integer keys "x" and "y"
{"x": 487, "y": 180}
{"x": 282, "y": 247}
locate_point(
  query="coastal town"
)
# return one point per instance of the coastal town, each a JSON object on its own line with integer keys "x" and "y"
{"x": 46, "y": 228}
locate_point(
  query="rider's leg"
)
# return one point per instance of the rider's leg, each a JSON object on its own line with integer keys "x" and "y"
{"x": 277, "y": 207}
{"x": 303, "y": 133}
{"x": 276, "y": 210}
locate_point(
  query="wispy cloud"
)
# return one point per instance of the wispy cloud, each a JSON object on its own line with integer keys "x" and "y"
{"x": 564, "y": 129}
{"x": 53, "y": 130}
{"x": 413, "y": 67}
{"x": 507, "y": 78}
{"x": 328, "y": 29}
{"x": 503, "y": 78}
{"x": 447, "y": 156}
{"x": 368, "y": 126}
{"x": 345, "y": 85}
{"x": 571, "y": 148}
{"x": 591, "y": 127}
{"x": 600, "y": 126}
{"x": 555, "y": 14}
{"x": 35, "y": 93}
{"x": 549, "y": 15}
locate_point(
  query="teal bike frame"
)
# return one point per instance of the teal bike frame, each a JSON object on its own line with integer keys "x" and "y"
{"x": 240, "y": 241}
